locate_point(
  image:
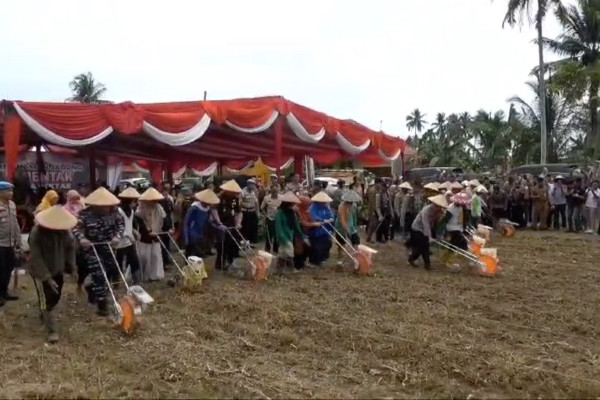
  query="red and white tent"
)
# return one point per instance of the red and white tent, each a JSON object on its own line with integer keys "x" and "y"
{"x": 195, "y": 134}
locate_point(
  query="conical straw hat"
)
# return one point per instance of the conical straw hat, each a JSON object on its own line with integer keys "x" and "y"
{"x": 445, "y": 185}
{"x": 289, "y": 197}
{"x": 439, "y": 200}
{"x": 207, "y": 196}
{"x": 231, "y": 186}
{"x": 56, "y": 218}
{"x": 431, "y": 186}
{"x": 474, "y": 182}
{"x": 405, "y": 185}
{"x": 321, "y": 197}
{"x": 129, "y": 193}
{"x": 101, "y": 197}
{"x": 455, "y": 185}
{"x": 151, "y": 194}
{"x": 481, "y": 189}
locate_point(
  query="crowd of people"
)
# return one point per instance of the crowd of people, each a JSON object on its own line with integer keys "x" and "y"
{"x": 98, "y": 233}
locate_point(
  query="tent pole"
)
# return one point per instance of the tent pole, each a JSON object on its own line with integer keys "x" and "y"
{"x": 92, "y": 166}
{"x": 278, "y": 143}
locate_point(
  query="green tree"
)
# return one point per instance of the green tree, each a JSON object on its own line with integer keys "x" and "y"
{"x": 415, "y": 121}
{"x": 560, "y": 117}
{"x": 515, "y": 12}
{"x": 85, "y": 89}
{"x": 578, "y": 75}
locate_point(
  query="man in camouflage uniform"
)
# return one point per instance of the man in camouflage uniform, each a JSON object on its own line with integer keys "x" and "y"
{"x": 100, "y": 223}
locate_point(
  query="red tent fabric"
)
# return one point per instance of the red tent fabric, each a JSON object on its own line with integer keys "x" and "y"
{"x": 229, "y": 131}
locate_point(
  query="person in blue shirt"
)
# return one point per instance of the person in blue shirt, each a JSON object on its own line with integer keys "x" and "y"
{"x": 196, "y": 220}
{"x": 320, "y": 237}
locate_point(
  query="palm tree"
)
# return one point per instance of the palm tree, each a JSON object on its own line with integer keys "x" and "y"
{"x": 580, "y": 43}
{"x": 415, "y": 121}
{"x": 440, "y": 122}
{"x": 517, "y": 9}
{"x": 560, "y": 115}
{"x": 86, "y": 89}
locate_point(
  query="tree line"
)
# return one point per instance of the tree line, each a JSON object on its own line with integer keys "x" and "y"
{"x": 564, "y": 106}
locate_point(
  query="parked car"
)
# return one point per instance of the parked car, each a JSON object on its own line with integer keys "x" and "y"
{"x": 138, "y": 183}
{"x": 191, "y": 183}
{"x": 430, "y": 174}
{"x": 566, "y": 170}
{"x": 331, "y": 183}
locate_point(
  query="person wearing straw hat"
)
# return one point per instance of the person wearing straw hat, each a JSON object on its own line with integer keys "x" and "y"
{"x": 412, "y": 203}
{"x": 101, "y": 226}
{"x": 455, "y": 222}
{"x": 320, "y": 237}
{"x": 422, "y": 232}
{"x": 346, "y": 221}
{"x": 455, "y": 187}
{"x": 477, "y": 205}
{"x": 10, "y": 240}
{"x": 150, "y": 247}
{"x": 228, "y": 216}
{"x": 196, "y": 222}
{"x": 269, "y": 207}
{"x": 288, "y": 231}
{"x": 52, "y": 254}
{"x": 250, "y": 211}
{"x": 126, "y": 249}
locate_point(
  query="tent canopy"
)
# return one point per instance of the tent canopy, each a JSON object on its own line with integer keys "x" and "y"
{"x": 195, "y": 133}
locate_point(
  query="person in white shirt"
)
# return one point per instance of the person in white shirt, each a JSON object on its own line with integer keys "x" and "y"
{"x": 592, "y": 204}
{"x": 126, "y": 249}
{"x": 268, "y": 208}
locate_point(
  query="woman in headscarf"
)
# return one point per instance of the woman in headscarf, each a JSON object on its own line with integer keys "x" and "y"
{"x": 74, "y": 203}
{"x": 320, "y": 237}
{"x": 152, "y": 215}
{"x": 346, "y": 221}
{"x": 287, "y": 229}
{"x": 50, "y": 199}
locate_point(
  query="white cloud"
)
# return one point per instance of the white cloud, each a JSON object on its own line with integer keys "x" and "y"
{"x": 368, "y": 61}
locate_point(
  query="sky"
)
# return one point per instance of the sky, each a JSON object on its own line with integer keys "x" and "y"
{"x": 371, "y": 61}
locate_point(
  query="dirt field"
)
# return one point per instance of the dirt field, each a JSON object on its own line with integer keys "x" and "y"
{"x": 404, "y": 333}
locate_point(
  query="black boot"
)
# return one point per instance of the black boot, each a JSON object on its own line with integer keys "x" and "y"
{"x": 102, "y": 308}
{"x": 90, "y": 294}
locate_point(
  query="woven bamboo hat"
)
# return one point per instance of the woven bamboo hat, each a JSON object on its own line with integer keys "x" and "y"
{"x": 445, "y": 185}
{"x": 129, "y": 193}
{"x": 405, "y": 185}
{"x": 481, "y": 189}
{"x": 432, "y": 186}
{"x": 101, "y": 197}
{"x": 456, "y": 185}
{"x": 321, "y": 197}
{"x": 439, "y": 200}
{"x": 207, "y": 196}
{"x": 231, "y": 186}
{"x": 289, "y": 197}
{"x": 151, "y": 194}
{"x": 56, "y": 218}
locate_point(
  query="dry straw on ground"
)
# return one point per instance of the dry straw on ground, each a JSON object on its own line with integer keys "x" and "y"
{"x": 404, "y": 333}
